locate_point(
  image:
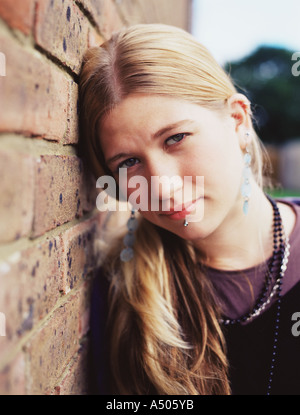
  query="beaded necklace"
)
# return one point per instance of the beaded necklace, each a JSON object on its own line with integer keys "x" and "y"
{"x": 276, "y": 268}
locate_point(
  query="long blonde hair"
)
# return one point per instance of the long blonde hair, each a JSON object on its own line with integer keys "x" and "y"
{"x": 164, "y": 327}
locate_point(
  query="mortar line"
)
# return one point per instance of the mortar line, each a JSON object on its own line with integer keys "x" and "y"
{"x": 35, "y": 145}
{"x": 21, "y": 345}
{"x": 10, "y": 248}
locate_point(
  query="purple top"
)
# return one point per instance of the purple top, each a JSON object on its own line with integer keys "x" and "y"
{"x": 237, "y": 291}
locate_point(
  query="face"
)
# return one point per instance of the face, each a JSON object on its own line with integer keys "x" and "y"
{"x": 151, "y": 136}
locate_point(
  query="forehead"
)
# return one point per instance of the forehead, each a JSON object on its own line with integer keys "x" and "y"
{"x": 141, "y": 107}
{"x": 140, "y": 114}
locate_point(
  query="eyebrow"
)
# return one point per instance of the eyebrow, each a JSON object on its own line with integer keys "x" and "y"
{"x": 159, "y": 133}
{"x": 170, "y": 127}
{"x": 117, "y": 157}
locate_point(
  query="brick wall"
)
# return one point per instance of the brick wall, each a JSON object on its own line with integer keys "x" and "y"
{"x": 48, "y": 219}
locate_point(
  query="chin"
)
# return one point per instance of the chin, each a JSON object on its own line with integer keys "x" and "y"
{"x": 193, "y": 232}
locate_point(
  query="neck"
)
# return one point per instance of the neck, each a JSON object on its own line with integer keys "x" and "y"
{"x": 241, "y": 241}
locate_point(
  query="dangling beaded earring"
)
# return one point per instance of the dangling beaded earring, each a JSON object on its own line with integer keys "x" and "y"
{"x": 246, "y": 186}
{"x": 127, "y": 253}
{"x": 185, "y": 223}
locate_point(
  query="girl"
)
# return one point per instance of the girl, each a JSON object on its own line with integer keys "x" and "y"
{"x": 204, "y": 286}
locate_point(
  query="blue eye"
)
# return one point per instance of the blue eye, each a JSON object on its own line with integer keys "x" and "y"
{"x": 128, "y": 163}
{"x": 175, "y": 139}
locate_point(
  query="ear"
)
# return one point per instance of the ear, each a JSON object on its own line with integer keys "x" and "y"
{"x": 240, "y": 110}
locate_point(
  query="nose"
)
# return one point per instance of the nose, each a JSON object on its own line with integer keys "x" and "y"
{"x": 165, "y": 183}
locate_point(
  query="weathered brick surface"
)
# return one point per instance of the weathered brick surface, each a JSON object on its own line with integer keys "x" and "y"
{"x": 30, "y": 281}
{"x": 19, "y": 14}
{"x": 155, "y": 11}
{"x": 89, "y": 191}
{"x": 94, "y": 7}
{"x": 34, "y": 94}
{"x": 41, "y": 193}
{"x": 12, "y": 377}
{"x": 57, "y": 192}
{"x": 75, "y": 381}
{"x": 51, "y": 349}
{"x": 62, "y": 31}
{"x": 71, "y": 134}
{"x": 94, "y": 39}
{"x": 16, "y": 201}
{"x": 105, "y": 14}
{"x": 79, "y": 254}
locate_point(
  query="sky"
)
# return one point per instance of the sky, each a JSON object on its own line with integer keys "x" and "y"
{"x": 232, "y": 29}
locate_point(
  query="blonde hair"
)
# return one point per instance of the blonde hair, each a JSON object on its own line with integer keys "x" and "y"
{"x": 165, "y": 334}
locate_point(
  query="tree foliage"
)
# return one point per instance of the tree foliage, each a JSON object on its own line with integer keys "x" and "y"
{"x": 266, "y": 78}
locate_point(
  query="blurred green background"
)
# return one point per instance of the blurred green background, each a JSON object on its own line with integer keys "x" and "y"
{"x": 266, "y": 78}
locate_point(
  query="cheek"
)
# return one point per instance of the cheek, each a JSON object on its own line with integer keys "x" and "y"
{"x": 149, "y": 216}
{"x": 138, "y": 195}
{"x": 222, "y": 166}
{"x": 154, "y": 219}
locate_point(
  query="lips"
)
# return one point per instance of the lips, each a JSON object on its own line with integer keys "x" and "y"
{"x": 176, "y": 214}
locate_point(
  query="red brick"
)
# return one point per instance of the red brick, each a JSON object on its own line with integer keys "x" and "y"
{"x": 61, "y": 30}
{"x": 16, "y": 202}
{"x": 105, "y": 15}
{"x": 89, "y": 190}
{"x": 50, "y": 350}
{"x": 34, "y": 94}
{"x": 84, "y": 308}
{"x": 110, "y": 20}
{"x": 19, "y": 14}
{"x": 156, "y": 11}
{"x": 57, "y": 192}
{"x": 75, "y": 380}
{"x": 30, "y": 282}
{"x": 72, "y": 133}
{"x": 12, "y": 377}
{"x": 79, "y": 251}
{"x": 94, "y": 8}
{"x": 94, "y": 39}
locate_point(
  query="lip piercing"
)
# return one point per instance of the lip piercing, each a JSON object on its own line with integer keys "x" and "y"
{"x": 185, "y": 223}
